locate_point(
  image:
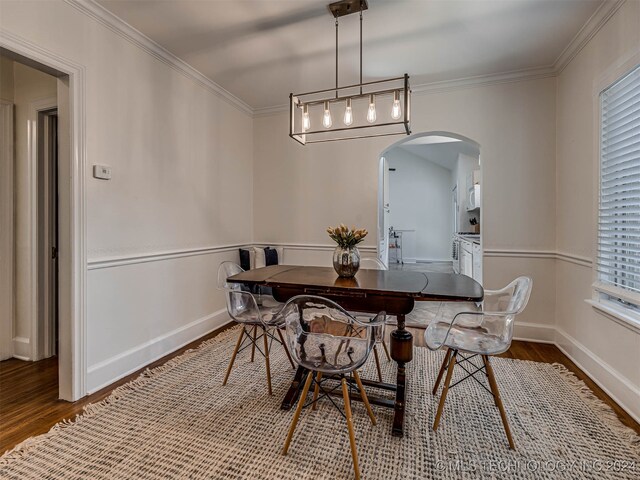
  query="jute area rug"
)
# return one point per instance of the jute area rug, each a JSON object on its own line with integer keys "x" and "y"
{"x": 177, "y": 421}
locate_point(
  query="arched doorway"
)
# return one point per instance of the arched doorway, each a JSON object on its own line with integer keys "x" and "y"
{"x": 429, "y": 204}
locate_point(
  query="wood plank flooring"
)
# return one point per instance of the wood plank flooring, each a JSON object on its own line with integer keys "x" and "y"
{"x": 29, "y": 404}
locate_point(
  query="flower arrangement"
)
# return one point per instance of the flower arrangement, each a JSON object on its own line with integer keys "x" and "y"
{"x": 345, "y": 237}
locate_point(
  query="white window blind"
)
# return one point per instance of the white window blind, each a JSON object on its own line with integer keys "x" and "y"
{"x": 619, "y": 212}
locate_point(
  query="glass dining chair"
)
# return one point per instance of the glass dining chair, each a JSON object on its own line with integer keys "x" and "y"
{"x": 332, "y": 345}
{"x": 375, "y": 264}
{"x": 262, "y": 321}
{"x": 484, "y": 330}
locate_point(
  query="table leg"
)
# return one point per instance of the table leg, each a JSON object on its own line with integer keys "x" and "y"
{"x": 402, "y": 353}
{"x": 293, "y": 393}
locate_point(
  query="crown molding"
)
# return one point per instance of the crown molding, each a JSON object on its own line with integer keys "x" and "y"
{"x": 126, "y": 31}
{"x": 447, "y": 85}
{"x": 599, "y": 18}
{"x": 266, "y": 111}
{"x": 484, "y": 80}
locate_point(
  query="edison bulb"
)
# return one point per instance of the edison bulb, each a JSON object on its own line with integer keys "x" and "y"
{"x": 371, "y": 113}
{"x": 326, "y": 118}
{"x": 306, "y": 122}
{"x": 348, "y": 113}
{"x": 396, "y": 111}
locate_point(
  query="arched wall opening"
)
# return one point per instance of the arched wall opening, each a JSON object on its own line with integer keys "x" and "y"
{"x": 429, "y": 204}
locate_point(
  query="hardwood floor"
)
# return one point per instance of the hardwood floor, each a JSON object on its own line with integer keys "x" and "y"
{"x": 29, "y": 402}
{"x": 29, "y": 405}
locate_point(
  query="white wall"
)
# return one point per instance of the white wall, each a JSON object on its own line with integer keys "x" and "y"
{"x": 300, "y": 190}
{"x": 420, "y": 199}
{"x": 181, "y": 156}
{"x": 606, "y": 350}
{"x": 30, "y": 86}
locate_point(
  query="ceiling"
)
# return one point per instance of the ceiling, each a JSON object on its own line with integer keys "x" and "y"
{"x": 262, "y": 50}
{"x": 442, "y": 153}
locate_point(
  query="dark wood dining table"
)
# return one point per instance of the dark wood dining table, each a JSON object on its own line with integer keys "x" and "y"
{"x": 370, "y": 291}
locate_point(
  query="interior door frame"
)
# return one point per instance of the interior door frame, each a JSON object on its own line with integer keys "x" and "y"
{"x": 46, "y": 224}
{"x": 6, "y": 232}
{"x": 72, "y": 358}
{"x": 34, "y": 154}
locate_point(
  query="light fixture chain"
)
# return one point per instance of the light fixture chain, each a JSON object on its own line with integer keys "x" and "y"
{"x": 336, "y": 57}
{"x": 361, "y": 49}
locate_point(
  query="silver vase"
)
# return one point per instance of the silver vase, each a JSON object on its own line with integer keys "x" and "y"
{"x": 346, "y": 261}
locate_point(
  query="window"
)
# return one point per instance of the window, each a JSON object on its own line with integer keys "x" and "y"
{"x": 618, "y": 262}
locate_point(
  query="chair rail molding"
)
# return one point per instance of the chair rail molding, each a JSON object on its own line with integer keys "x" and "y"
{"x": 73, "y": 284}
{"x": 120, "y": 257}
{"x": 549, "y": 254}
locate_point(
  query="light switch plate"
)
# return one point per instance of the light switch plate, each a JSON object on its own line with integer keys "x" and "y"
{"x": 102, "y": 172}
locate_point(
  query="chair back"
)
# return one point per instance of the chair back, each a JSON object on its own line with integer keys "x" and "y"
{"x": 241, "y": 305}
{"x": 226, "y": 270}
{"x": 485, "y": 330}
{"x": 511, "y": 300}
{"x": 507, "y": 303}
{"x": 372, "y": 263}
{"x": 324, "y": 337}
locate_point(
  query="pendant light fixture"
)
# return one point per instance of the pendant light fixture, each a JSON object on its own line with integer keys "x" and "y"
{"x": 367, "y": 109}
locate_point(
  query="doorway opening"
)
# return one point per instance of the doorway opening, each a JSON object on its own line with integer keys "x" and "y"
{"x": 35, "y": 162}
{"x": 429, "y": 204}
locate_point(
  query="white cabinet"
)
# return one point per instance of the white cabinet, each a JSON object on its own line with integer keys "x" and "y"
{"x": 477, "y": 263}
{"x": 470, "y": 259}
{"x": 466, "y": 258}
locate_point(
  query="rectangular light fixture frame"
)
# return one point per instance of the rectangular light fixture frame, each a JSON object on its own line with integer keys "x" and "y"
{"x": 379, "y": 88}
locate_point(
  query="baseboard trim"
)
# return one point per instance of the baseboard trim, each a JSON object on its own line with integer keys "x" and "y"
{"x": 606, "y": 377}
{"x": 22, "y": 348}
{"x": 534, "y": 332}
{"x": 113, "y": 369}
{"x": 426, "y": 260}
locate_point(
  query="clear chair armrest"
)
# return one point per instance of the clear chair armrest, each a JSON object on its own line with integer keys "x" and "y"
{"x": 374, "y": 321}
{"x": 455, "y": 319}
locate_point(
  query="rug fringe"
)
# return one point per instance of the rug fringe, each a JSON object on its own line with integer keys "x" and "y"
{"x": 92, "y": 409}
{"x": 605, "y": 411}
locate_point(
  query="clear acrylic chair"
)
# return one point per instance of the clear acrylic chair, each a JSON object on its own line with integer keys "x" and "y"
{"x": 262, "y": 321}
{"x": 484, "y": 331}
{"x": 332, "y": 345}
{"x": 375, "y": 264}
